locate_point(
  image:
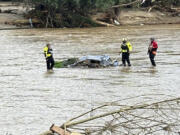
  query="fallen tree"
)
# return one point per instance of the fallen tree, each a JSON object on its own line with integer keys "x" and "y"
{"x": 134, "y": 115}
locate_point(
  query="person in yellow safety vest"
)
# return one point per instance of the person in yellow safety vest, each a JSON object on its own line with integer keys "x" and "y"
{"x": 129, "y": 46}
{"x": 126, "y": 48}
{"x": 48, "y": 53}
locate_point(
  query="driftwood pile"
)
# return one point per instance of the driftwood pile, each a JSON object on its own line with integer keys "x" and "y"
{"x": 132, "y": 116}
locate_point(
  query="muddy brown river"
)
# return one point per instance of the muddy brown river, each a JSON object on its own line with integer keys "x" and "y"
{"x": 31, "y": 99}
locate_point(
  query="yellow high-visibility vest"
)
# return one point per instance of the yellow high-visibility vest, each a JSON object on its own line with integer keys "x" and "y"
{"x": 123, "y": 51}
{"x": 46, "y": 52}
{"x": 124, "y": 48}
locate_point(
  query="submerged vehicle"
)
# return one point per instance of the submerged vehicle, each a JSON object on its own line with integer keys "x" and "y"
{"x": 90, "y": 61}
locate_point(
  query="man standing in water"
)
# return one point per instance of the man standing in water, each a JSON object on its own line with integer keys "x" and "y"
{"x": 48, "y": 53}
{"x": 126, "y": 47}
{"x": 152, "y": 50}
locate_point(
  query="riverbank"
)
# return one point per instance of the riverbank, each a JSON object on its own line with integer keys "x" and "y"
{"x": 10, "y": 13}
{"x": 147, "y": 18}
{"x": 12, "y": 16}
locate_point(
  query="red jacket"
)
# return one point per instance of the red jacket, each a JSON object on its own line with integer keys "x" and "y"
{"x": 154, "y": 44}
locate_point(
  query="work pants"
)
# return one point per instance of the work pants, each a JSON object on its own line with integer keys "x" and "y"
{"x": 50, "y": 63}
{"x": 152, "y": 56}
{"x": 125, "y": 58}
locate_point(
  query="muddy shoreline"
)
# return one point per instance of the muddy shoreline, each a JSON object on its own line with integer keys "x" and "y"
{"x": 12, "y": 16}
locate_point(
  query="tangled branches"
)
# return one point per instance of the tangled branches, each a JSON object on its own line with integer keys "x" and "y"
{"x": 144, "y": 116}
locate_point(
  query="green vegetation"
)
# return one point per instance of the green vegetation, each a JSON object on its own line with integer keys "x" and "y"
{"x": 76, "y": 13}
{"x": 169, "y": 2}
{"x": 65, "y": 63}
{"x": 65, "y": 13}
{"x": 68, "y": 13}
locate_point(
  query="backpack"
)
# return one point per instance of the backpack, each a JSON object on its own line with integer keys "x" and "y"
{"x": 129, "y": 46}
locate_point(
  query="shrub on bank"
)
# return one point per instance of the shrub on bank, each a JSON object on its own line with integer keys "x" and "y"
{"x": 76, "y": 13}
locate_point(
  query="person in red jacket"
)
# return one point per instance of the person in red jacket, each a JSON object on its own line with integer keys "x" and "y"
{"x": 152, "y": 50}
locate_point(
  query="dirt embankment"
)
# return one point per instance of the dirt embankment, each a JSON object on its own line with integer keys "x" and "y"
{"x": 11, "y": 15}
{"x": 138, "y": 17}
{"x": 144, "y": 17}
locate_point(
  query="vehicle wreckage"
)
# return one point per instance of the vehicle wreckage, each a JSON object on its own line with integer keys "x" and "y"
{"x": 90, "y": 61}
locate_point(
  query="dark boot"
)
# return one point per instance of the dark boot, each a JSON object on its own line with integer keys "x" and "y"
{"x": 151, "y": 56}
{"x": 124, "y": 59}
{"x": 128, "y": 61}
{"x": 52, "y": 63}
{"x": 48, "y": 62}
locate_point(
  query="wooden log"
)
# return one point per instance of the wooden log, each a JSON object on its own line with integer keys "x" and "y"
{"x": 75, "y": 134}
{"x": 104, "y": 23}
{"x": 47, "y": 133}
{"x": 59, "y": 130}
{"x": 149, "y": 10}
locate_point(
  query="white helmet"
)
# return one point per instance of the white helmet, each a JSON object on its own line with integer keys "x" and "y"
{"x": 124, "y": 40}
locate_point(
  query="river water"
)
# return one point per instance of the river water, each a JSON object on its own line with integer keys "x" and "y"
{"x": 31, "y": 99}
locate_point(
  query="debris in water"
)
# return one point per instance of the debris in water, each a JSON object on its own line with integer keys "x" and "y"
{"x": 128, "y": 116}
